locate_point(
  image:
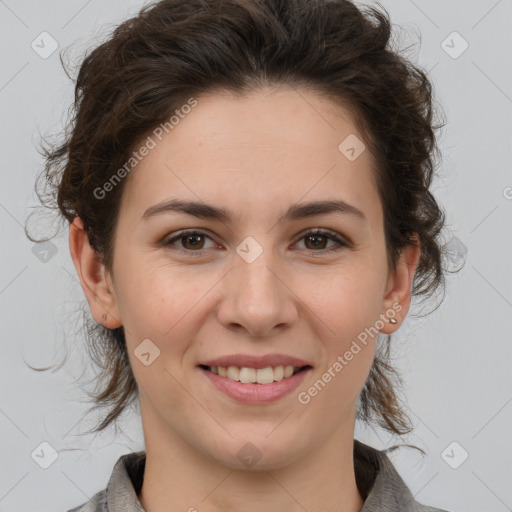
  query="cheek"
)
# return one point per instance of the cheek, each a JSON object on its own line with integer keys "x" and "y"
{"x": 347, "y": 300}
{"x": 158, "y": 304}
{"x": 348, "y": 304}
{"x": 155, "y": 300}
{"x": 348, "y": 311}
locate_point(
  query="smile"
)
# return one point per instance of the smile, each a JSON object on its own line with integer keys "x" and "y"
{"x": 255, "y": 385}
{"x": 255, "y": 375}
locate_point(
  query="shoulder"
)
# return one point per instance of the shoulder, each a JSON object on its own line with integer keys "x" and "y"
{"x": 123, "y": 486}
{"x": 381, "y": 486}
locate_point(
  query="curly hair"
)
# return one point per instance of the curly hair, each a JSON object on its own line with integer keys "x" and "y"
{"x": 150, "y": 64}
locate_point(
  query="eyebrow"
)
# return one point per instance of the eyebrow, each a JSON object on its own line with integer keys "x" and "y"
{"x": 295, "y": 212}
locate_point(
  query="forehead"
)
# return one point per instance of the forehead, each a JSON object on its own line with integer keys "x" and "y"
{"x": 257, "y": 151}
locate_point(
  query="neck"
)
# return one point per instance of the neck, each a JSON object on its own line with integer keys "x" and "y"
{"x": 179, "y": 477}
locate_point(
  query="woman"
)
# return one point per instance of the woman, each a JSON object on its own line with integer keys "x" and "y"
{"x": 247, "y": 187}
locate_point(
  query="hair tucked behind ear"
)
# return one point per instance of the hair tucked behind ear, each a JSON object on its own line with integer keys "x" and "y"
{"x": 174, "y": 50}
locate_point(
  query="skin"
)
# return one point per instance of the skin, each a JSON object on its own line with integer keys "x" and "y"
{"x": 256, "y": 155}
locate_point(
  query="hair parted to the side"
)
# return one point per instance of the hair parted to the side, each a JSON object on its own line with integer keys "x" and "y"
{"x": 173, "y": 50}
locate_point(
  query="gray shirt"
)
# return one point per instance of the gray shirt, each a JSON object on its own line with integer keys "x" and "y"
{"x": 378, "y": 482}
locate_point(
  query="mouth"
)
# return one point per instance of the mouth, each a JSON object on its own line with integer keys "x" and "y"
{"x": 255, "y": 379}
{"x": 247, "y": 375}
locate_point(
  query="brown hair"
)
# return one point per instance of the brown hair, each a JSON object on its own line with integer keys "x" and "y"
{"x": 173, "y": 50}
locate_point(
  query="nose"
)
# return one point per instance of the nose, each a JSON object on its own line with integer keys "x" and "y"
{"x": 258, "y": 297}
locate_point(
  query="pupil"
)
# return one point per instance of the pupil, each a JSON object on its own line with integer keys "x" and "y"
{"x": 192, "y": 237}
{"x": 315, "y": 237}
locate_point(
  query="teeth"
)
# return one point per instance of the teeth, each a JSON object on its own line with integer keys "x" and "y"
{"x": 246, "y": 375}
{"x": 264, "y": 376}
{"x": 253, "y": 375}
{"x": 288, "y": 371}
{"x": 233, "y": 373}
{"x": 279, "y": 373}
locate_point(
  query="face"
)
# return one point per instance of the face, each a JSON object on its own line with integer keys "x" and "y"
{"x": 256, "y": 287}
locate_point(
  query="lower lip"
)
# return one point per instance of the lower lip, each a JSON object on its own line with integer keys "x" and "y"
{"x": 256, "y": 393}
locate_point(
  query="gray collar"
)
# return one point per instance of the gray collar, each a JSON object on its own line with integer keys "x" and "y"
{"x": 377, "y": 480}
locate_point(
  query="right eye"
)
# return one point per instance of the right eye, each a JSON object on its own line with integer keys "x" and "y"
{"x": 188, "y": 237}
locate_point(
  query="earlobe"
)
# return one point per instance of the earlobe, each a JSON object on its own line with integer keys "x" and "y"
{"x": 93, "y": 277}
{"x": 398, "y": 294}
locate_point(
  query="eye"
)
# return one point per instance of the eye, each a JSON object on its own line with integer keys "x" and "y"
{"x": 191, "y": 240}
{"x": 314, "y": 238}
{"x": 192, "y": 245}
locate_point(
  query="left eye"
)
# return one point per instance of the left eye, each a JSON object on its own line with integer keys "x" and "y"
{"x": 193, "y": 236}
{"x": 191, "y": 241}
{"x": 326, "y": 235}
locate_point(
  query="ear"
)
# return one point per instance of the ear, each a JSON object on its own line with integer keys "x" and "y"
{"x": 94, "y": 279}
{"x": 397, "y": 297}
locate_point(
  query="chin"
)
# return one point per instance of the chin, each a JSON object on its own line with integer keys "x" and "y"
{"x": 258, "y": 452}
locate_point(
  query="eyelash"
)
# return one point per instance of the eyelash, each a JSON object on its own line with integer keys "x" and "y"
{"x": 330, "y": 235}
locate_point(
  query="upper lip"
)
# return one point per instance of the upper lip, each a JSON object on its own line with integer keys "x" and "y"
{"x": 258, "y": 362}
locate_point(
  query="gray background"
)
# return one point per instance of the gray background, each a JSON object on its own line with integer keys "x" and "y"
{"x": 456, "y": 363}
